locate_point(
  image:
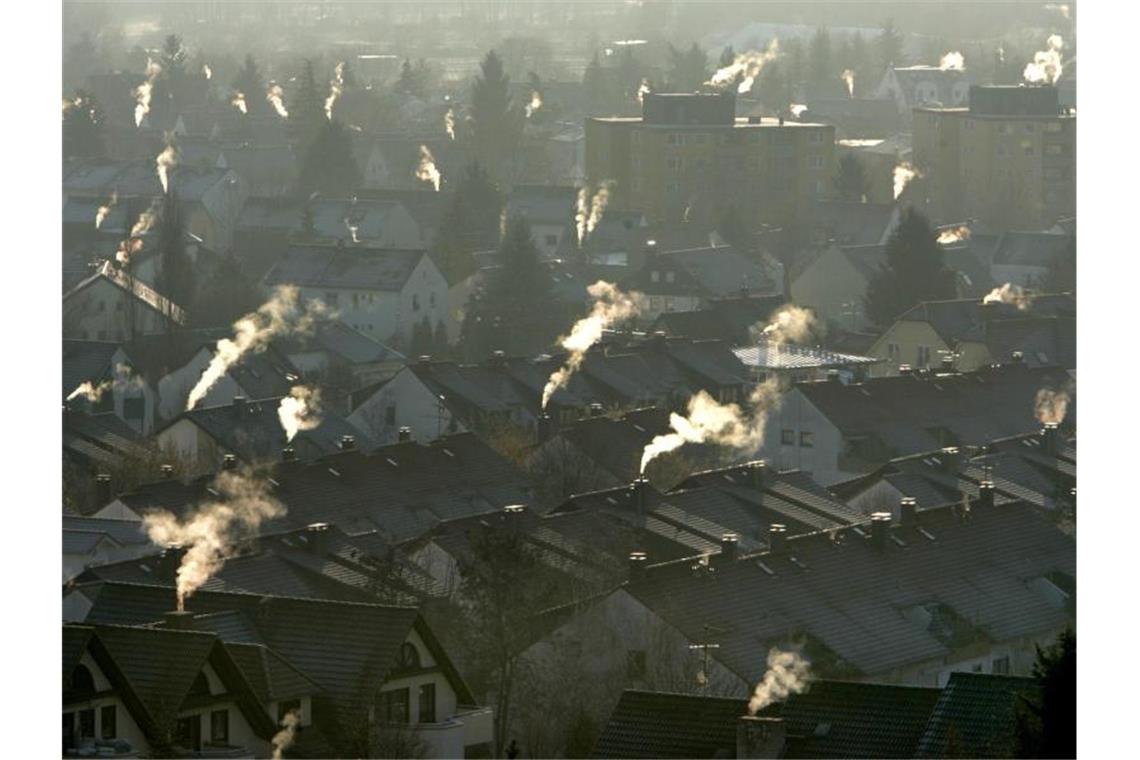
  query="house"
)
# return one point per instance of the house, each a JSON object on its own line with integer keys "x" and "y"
{"x": 349, "y": 665}
{"x": 112, "y": 305}
{"x": 89, "y": 541}
{"x": 95, "y": 445}
{"x": 838, "y": 431}
{"x": 732, "y": 318}
{"x": 850, "y": 223}
{"x": 792, "y": 363}
{"x": 370, "y": 223}
{"x": 250, "y": 431}
{"x": 1026, "y": 258}
{"x": 268, "y": 169}
{"x": 976, "y": 334}
{"x": 384, "y": 293}
{"x": 915, "y": 86}
{"x": 115, "y": 385}
{"x": 334, "y": 348}
{"x": 851, "y": 117}
{"x": 685, "y": 280}
{"x": 210, "y": 198}
{"x": 878, "y": 156}
{"x": 550, "y": 212}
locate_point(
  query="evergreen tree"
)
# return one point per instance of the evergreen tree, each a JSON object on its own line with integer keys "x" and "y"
{"x": 1047, "y": 724}
{"x": 915, "y": 271}
{"x": 226, "y": 296}
{"x": 170, "y": 90}
{"x": 889, "y": 46}
{"x": 850, "y": 179}
{"x": 727, "y": 56}
{"x": 175, "y": 277}
{"x": 83, "y": 128}
{"x": 596, "y": 88}
{"x": 250, "y": 83}
{"x": 688, "y": 70}
{"x": 866, "y": 75}
{"x": 307, "y": 110}
{"x": 495, "y": 126}
{"x": 772, "y": 87}
{"x": 629, "y": 76}
{"x": 408, "y": 83}
{"x": 329, "y": 167}
{"x": 471, "y": 223}
{"x": 821, "y": 71}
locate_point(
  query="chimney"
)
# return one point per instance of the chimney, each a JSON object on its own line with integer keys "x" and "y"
{"x": 103, "y": 489}
{"x": 988, "y": 311}
{"x": 639, "y": 486}
{"x": 239, "y": 405}
{"x": 513, "y": 513}
{"x": 637, "y": 563}
{"x": 659, "y": 341}
{"x": 880, "y": 529}
{"x": 777, "y": 537}
{"x": 545, "y": 428}
{"x": 167, "y": 471}
{"x": 317, "y": 534}
{"x": 833, "y": 376}
{"x": 759, "y": 474}
{"x": 498, "y": 358}
{"x": 288, "y": 454}
{"x": 404, "y": 435}
{"x": 908, "y": 512}
{"x": 760, "y": 737}
{"x": 1049, "y": 438}
{"x": 904, "y": 369}
{"x": 986, "y": 494}
{"x": 179, "y": 621}
{"x": 1016, "y": 357}
{"x": 229, "y": 462}
{"x": 347, "y": 443}
{"x": 729, "y": 544}
{"x": 170, "y": 559}
{"x": 424, "y": 359}
{"x": 947, "y": 363}
{"x": 951, "y": 459}
{"x": 596, "y": 410}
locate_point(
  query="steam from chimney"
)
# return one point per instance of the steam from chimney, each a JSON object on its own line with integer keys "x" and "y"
{"x": 276, "y": 96}
{"x": 427, "y": 170}
{"x": 709, "y": 421}
{"x": 1046, "y": 64}
{"x": 283, "y": 739}
{"x": 167, "y": 160}
{"x": 848, "y": 77}
{"x": 1050, "y": 406}
{"x": 238, "y": 101}
{"x": 610, "y": 305}
{"x": 797, "y": 109}
{"x": 449, "y": 123}
{"x": 212, "y": 533}
{"x": 207, "y": 71}
{"x": 904, "y": 173}
{"x": 643, "y": 89}
{"x": 789, "y": 324}
{"x": 1062, "y": 8}
{"x": 748, "y": 65}
{"x": 300, "y": 410}
{"x": 121, "y": 382}
{"x": 133, "y": 244}
{"x": 954, "y": 234}
{"x": 954, "y": 61}
{"x": 336, "y": 87}
{"x": 281, "y": 315}
{"x": 143, "y": 91}
{"x": 534, "y": 104}
{"x": 1010, "y": 294}
{"x": 101, "y": 214}
{"x": 787, "y": 674}
{"x": 591, "y": 209}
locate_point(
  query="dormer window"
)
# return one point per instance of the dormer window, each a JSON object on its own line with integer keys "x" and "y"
{"x": 409, "y": 657}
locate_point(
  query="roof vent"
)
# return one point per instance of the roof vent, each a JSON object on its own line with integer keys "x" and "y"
{"x": 777, "y": 537}
{"x": 167, "y": 471}
{"x": 347, "y": 443}
{"x": 229, "y": 462}
{"x": 729, "y": 545}
{"x": 405, "y": 434}
{"x": 288, "y": 454}
{"x": 637, "y": 564}
{"x": 880, "y": 528}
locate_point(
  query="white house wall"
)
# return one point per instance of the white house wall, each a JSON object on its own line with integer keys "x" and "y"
{"x": 416, "y": 407}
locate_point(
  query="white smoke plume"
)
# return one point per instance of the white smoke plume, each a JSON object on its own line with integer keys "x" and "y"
{"x": 142, "y": 93}
{"x": 709, "y": 421}
{"x": 122, "y": 381}
{"x": 167, "y": 160}
{"x": 591, "y": 208}
{"x": 954, "y": 234}
{"x": 789, "y": 324}
{"x": 282, "y": 315}
{"x": 449, "y": 123}
{"x": 611, "y": 305}
{"x": 212, "y": 533}
{"x": 238, "y": 101}
{"x": 133, "y": 244}
{"x": 903, "y": 174}
{"x": 534, "y": 104}
{"x": 276, "y": 96}
{"x": 300, "y": 410}
{"x": 643, "y": 89}
{"x": 787, "y": 674}
{"x": 1062, "y": 8}
{"x": 90, "y": 391}
{"x": 427, "y": 170}
{"x": 1046, "y": 64}
{"x": 746, "y": 65}
{"x": 336, "y": 87}
{"x": 101, "y": 214}
{"x": 797, "y": 109}
{"x": 848, "y": 77}
{"x": 207, "y": 71}
{"x": 582, "y": 213}
{"x": 283, "y": 739}
{"x": 1010, "y": 294}
{"x": 1050, "y": 406}
{"x": 953, "y": 61}
{"x": 1001, "y": 52}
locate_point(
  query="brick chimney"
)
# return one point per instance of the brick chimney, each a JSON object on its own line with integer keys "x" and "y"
{"x": 317, "y": 535}
{"x": 637, "y": 564}
{"x": 777, "y": 537}
{"x": 760, "y": 737}
{"x": 103, "y": 489}
{"x": 729, "y": 547}
{"x": 986, "y": 494}
{"x": 880, "y": 529}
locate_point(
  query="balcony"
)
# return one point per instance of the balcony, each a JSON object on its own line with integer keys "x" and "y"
{"x": 449, "y": 738}
{"x": 478, "y": 723}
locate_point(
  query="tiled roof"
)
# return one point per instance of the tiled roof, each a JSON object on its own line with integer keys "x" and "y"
{"x": 272, "y": 678}
{"x": 143, "y": 292}
{"x": 652, "y": 724}
{"x": 86, "y": 360}
{"x": 975, "y": 716}
{"x": 778, "y": 356}
{"x": 708, "y": 272}
{"x": 100, "y": 439}
{"x": 967, "y": 318}
{"x": 98, "y": 177}
{"x": 723, "y": 318}
{"x": 344, "y": 267}
{"x": 851, "y": 223}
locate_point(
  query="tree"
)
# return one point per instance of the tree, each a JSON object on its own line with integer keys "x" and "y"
{"x": 307, "y": 110}
{"x": 170, "y": 89}
{"x": 821, "y": 71}
{"x": 772, "y": 86}
{"x": 889, "y": 46}
{"x": 83, "y": 127}
{"x": 850, "y": 179}
{"x": 175, "y": 277}
{"x": 471, "y": 223}
{"x": 915, "y": 271}
{"x": 727, "y": 56}
{"x": 599, "y": 99}
{"x": 495, "y": 125}
{"x": 408, "y": 83}
{"x": 1047, "y": 724}
{"x": 250, "y": 83}
{"x": 329, "y": 167}
{"x": 862, "y": 65}
{"x": 226, "y": 296}
{"x": 688, "y": 70}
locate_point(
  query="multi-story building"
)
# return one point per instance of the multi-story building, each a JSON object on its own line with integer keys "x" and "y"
{"x": 688, "y": 154}
{"x": 1008, "y": 158}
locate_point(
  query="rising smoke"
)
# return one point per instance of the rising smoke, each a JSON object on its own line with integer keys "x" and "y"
{"x": 952, "y": 235}
{"x": 101, "y": 214}
{"x": 848, "y": 77}
{"x": 283, "y": 739}
{"x": 207, "y": 71}
{"x": 611, "y": 305}
{"x": 591, "y": 208}
{"x": 276, "y": 96}
{"x": 747, "y": 66}
{"x": 788, "y": 324}
{"x": 427, "y": 170}
{"x": 1010, "y": 294}
{"x": 788, "y": 673}
{"x": 449, "y": 123}
{"x": 1050, "y": 406}
{"x": 238, "y": 101}
{"x": 143, "y": 91}
{"x": 282, "y": 315}
{"x": 643, "y": 89}
{"x": 903, "y": 174}
{"x": 133, "y": 244}
{"x": 709, "y": 421}
{"x": 1046, "y": 64}
{"x": 212, "y": 533}
{"x": 336, "y": 87}
{"x": 953, "y": 61}
{"x": 123, "y": 381}
{"x": 797, "y": 109}
{"x": 534, "y": 104}
{"x": 300, "y": 410}
{"x": 167, "y": 160}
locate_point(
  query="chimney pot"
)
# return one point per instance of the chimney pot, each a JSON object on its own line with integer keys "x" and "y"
{"x": 639, "y": 486}
{"x": 904, "y": 369}
{"x": 347, "y": 443}
{"x": 880, "y": 528}
{"x": 908, "y": 512}
{"x": 951, "y": 458}
{"x": 729, "y": 545}
{"x": 545, "y": 428}
{"x": 1017, "y": 357}
{"x": 637, "y": 563}
{"x": 760, "y": 737}
{"x": 596, "y": 410}
{"x": 229, "y": 462}
{"x": 1049, "y": 438}
{"x": 239, "y": 404}
{"x": 986, "y": 494}
{"x": 777, "y": 537}
{"x": 167, "y": 471}
{"x": 317, "y": 534}
{"x": 405, "y": 434}
{"x": 288, "y": 454}
{"x": 179, "y": 621}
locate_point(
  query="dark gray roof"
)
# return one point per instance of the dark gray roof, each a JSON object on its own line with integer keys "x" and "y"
{"x": 344, "y": 267}
{"x": 1034, "y": 249}
{"x": 272, "y": 677}
{"x": 723, "y": 318}
{"x": 975, "y": 716}
{"x": 85, "y": 360}
{"x": 652, "y": 724}
{"x": 969, "y": 318}
{"x": 851, "y": 223}
{"x": 703, "y": 272}
{"x": 101, "y": 440}
{"x": 99, "y": 177}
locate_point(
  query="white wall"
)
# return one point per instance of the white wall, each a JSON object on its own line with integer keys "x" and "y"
{"x": 416, "y": 408}
{"x": 125, "y": 726}
{"x": 822, "y": 458}
{"x": 426, "y": 287}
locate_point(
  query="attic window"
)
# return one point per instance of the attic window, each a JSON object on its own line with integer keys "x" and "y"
{"x": 144, "y": 567}
{"x": 926, "y": 534}
{"x": 449, "y": 452}
{"x": 334, "y": 472}
{"x": 765, "y": 568}
{"x": 392, "y": 462}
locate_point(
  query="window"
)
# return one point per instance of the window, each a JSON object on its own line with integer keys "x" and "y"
{"x": 788, "y": 437}
{"x": 820, "y": 187}
{"x": 355, "y": 300}
{"x": 673, "y": 188}
{"x": 673, "y": 163}
{"x": 1053, "y": 150}
{"x": 1001, "y": 666}
{"x": 409, "y": 657}
{"x": 670, "y": 276}
{"x": 87, "y": 724}
{"x": 394, "y": 706}
{"x": 815, "y": 162}
{"x": 107, "y": 727}
{"x": 220, "y": 727}
{"x": 189, "y": 733}
{"x": 427, "y": 703}
{"x": 635, "y": 664}
{"x": 923, "y": 356}
{"x": 807, "y": 439}
{"x": 893, "y": 350}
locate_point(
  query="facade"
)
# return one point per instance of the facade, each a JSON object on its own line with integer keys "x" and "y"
{"x": 112, "y": 305}
{"x": 1008, "y": 157}
{"x": 689, "y": 151}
